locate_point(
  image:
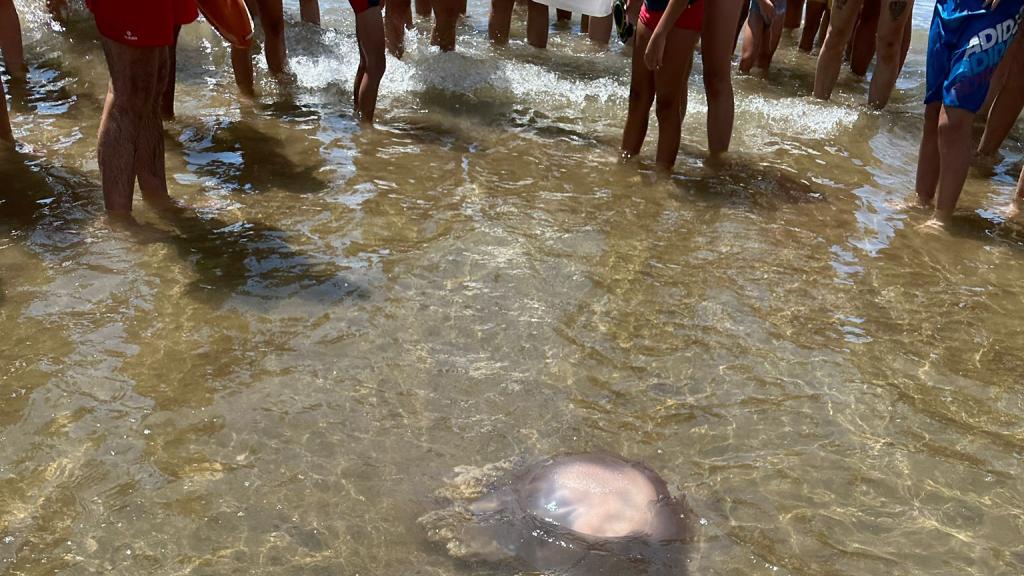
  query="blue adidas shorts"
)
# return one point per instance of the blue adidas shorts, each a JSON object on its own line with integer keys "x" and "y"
{"x": 966, "y": 43}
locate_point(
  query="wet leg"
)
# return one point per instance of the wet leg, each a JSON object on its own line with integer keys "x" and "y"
{"x": 150, "y": 170}
{"x": 928, "y": 158}
{"x": 830, "y": 59}
{"x": 10, "y": 40}
{"x": 863, "y": 51}
{"x": 372, "y": 63}
{"x": 537, "y": 25}
{"x": 446, "y": 19}
{"x": 954, "y": 158}
{"x": 717, "y": 46}
{"x": 891, "y": 25}
{"x": 134, "y": 82}
{"x": 500, "y": 23}
{"x": 423, "y": 9}
{"x": 272, "y": 22}
{"x": 770, "y": 43}
{"x": 794, "y": 14}
{"x": 309, "y": 11}
{"x": 815, "y": 11}
{"x": 753, "y": 36}
{"x": 671, "y": 82}
{"x": 600, "y": 29}
{"x": 641, "y": 96}
{"x": 397, "y": 14}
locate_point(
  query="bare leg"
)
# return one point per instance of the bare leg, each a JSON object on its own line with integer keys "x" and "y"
{"x": 770, "y": 43}
{"x": 641, "y": 96}
{"x": 928, "y": 159}
{"x": 826, "y": 19}
{"x": 10, "y": 40}
{"x": 423, "y": 9}
{"x": 537, "y": 25}
{"x": 864, "y": 38}
{"x": 309, "y": 10}
{"x": 830, "y": 59}
{"x": 753, "y": 36}
{"x": 891, "y": 25}
{"x": 397, "y": 14}
{"x": 717, "y": 41}
{"x": 563, "y": 17}
{"x": 57, "y": 8}
{"x": 272, "y": 21}
{"x": 744, "y": 14}
{"x": 670, "y": 84}
{"x": 500, "y": 23}
{"x": 150, "y": 168}
{"x": 6, "y": 134}
{"x": 1008, "y": 102}
{"x": 372, "y": 63}
{"x": 815, "y": 11}
{"x": 241, "y": 63}
{"x": 134, "y": 83}
{"x": 1020, "y": 187}
{"x": 794, "y": 14}
{"x": 167, "y": 98}
{"x": 954, "y": 158}
{"x": 600, "y": 29}
{"x": 446, "y": 19}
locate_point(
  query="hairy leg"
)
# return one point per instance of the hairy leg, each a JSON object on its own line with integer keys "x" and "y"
{"x": 134, "y": 80}
{"x": 641, "y": 96}
{"x": 717, "y": 45}
{"x": 891, "y": 25}
{"x": 830, "y": 59}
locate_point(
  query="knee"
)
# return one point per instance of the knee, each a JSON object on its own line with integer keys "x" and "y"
{"x": 953, "y": 128}
{"x": 889, "y": 50}
{"x": 717, "y": 86}
{"x": 668, "y": 110}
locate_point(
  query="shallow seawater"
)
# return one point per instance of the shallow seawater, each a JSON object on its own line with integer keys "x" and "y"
{"x": 279, "y": 378}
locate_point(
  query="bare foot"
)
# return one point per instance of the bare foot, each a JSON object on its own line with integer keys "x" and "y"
{"x": 933, "y": 226}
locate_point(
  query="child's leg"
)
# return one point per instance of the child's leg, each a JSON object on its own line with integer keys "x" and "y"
{"x": 167, "y": 95}
{"x": 397, "y": 13}
{"x": 423, "y": 8}
{"x": 815, "y": 10}
{"x": 891, "y": 25}
{"x": 928, "y": 158}
{"x": 955, "y": 158}
{"x": 563, "y": 17}
{"x": 537, "y": 25}
{"x": 641, "y": 96}
{"x": 753, "y": 37}
{"x": 717, "y": 47}
{"x": 372, "y": 63}
{"x": 830, "y": 59}
{"x": 744, "y": 14}
{"x": 272, "y": 21}
{"x": 670, "y": 83}
{"x": 500, "y": 23}
{"x": 864, "y": 38}
{"x": 10, "y": 40}
{"x": 309, "y": 10}
{"x": 826, "y": 21}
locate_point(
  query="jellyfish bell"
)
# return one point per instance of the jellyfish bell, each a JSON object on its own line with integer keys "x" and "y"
{"x": 579, "y": 514}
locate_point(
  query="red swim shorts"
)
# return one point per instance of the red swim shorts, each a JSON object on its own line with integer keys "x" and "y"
{"x": 142, "y": 23}
{"x": 691, "y": 19}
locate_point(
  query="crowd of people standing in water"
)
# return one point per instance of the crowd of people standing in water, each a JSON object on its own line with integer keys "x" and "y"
{"x": 975, "y": 66}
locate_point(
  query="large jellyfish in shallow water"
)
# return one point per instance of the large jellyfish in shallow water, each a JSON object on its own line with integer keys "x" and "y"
{"x": 574, "y": 515}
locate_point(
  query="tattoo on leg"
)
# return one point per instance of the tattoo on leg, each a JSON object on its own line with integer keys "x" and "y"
{"x": 897, "y": 8}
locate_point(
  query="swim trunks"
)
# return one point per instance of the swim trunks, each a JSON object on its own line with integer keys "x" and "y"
{"x": 692, "y": 17}
{"x": 966, "y": 43}
{"x": 142, "y": 23}
{"x": 780, "y": 7}
{"x": 360, "y": 6}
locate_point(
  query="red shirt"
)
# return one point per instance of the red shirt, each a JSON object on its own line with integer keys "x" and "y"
{"x": 142, "y": 23}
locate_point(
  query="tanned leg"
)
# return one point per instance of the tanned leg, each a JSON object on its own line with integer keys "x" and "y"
{"x": 891, "y": 25}
{"x": 150, "y": 170}
{"x": 6, "y": 134}
{"x": 954, "y": 158}
{"x": 272, "y": 21}
{"x": 537, "y": 25}
{"x": 10, "y": 40}
{"x": 370, "y": 33}
{"x": 717, "y": 44}
{"x": 863, "y": 51}
{"x": 309, "y": 11}
{"x": 753, "y": 37}
{"x": 500, "y": 23}
{"x": 794, "y": 14}
{"x": 641, "y": 96}
{"x": 600, "y": 29}
{"x": 928, "y": 158}
{"x": 134, "y": 77}
{"x": 397, "y": 14}
{"x": 815, "y": 11}
{"x": 830, "y": 59}
{"x": 670, "y": 82}
{"x": 1008, "y": 101}
{"x": 446, "y": 19}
